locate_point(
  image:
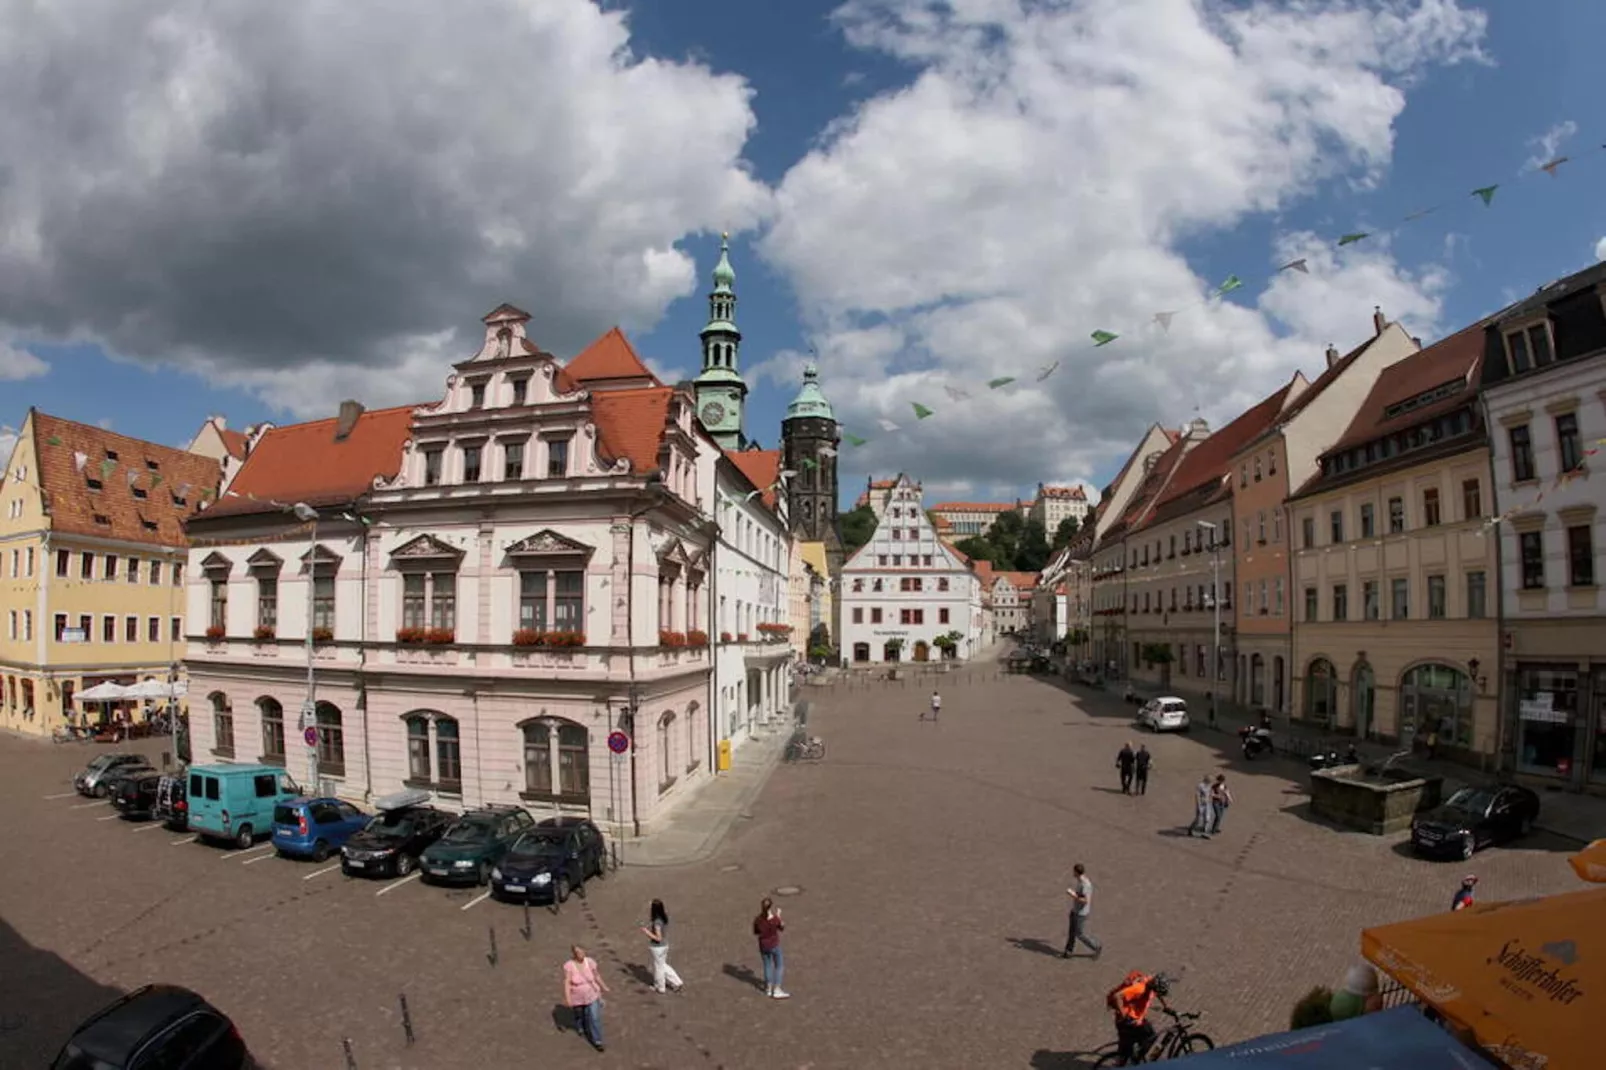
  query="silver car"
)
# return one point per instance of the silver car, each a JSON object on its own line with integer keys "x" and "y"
{"x": 92, "y": 781}
{"x": 1165, "y": 714}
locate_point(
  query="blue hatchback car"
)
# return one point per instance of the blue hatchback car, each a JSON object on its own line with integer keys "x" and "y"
{"x": 315, "y": 828}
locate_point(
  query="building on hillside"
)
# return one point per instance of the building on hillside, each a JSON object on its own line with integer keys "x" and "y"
{"x": 486, "y": 582}
{"x": 973, "y": 518}
{"x": 1544, "y": 391}
{"x": 876, "y": 494}
{"x": 92, "y": 555}
{"x": 810, "y": 439}
{"x": 1266, "y": 470}
{"x": 1012, "y": 602}
{"x": 1395, "y": 633}
{"x": 1053, "y": 504}
{"x": 905, "y": 589}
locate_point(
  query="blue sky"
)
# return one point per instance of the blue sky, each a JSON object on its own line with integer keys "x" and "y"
{"x": 813, "y": 270}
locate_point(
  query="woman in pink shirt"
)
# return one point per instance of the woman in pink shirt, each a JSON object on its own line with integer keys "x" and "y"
{"x": 582, "y": 990}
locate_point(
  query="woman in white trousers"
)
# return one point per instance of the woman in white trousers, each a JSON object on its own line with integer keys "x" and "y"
{"x": 657, "y": 932}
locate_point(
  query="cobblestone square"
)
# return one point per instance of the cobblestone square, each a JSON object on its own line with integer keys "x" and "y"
{"x": 926, "y": 863}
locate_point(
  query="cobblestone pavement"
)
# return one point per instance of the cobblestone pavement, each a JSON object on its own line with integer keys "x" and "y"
{"x": 928, "y": 864}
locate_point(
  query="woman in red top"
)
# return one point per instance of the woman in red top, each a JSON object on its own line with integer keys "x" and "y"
{"x": 768, "y": 927}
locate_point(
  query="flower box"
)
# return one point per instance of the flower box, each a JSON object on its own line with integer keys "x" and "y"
{"x": 263, "y": 632}
{"x": 528, "y": 637}
{"x": 671, "y": 639}
{"x": 215, "y": 633}
{"x": 440, "y": 636}
{"x": 695, "y": 638}
{"x": 724, "y": 637}
{"x": 741, "y": 637}
{"x": 410, "y": 635}
{"x": 566, "y": 639}
{"x": 323, "y": 635}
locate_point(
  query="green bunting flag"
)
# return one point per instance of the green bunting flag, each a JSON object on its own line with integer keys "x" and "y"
{"x": 53, "y": 440}
{"x": 810, "y": 463}
{"x": 854, "y": 440}
{"x": 1103, "y": 338}
{"x": 1487, "y": 193}
{"x": 1046, "y": 370}
{"x": 1414, "y": 216}
{"x": 1351, "y": 239}
{"x": 107, "y": 467}
{"x": 156, "y": 481}
{"x": 921, "y": 412}
{"x": 1002, "y": 380}
{"x": 1232, "y": 283}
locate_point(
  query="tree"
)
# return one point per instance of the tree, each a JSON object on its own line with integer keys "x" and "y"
{"x": 1066, "y": 532}
{"x": 1032, "y": 552}
{"x": 856, "y": 527}
{"x": 977, "y": 547}
{"x": 1005, "y": 537}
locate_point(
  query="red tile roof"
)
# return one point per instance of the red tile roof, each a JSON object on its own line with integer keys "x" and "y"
{"x": 610, "y": 357}
{"x": 157, "y": 519}
{"x": 630, "y": 424}
{"x": 943, "y": 524}
{"x": 1204, "y": 472}
{"x": 1023, "y": 580}
{"x": 883, "y": 484}
{"x": 1075, "y": 494}
{"x": 305, "y": 463}
{"x": 235, "y": 442}
{"x": 1460, "y": 356}
{"x": 761, "y": 467}
{"x": 972, "y": 507}
{"x": 1154, "y": 484}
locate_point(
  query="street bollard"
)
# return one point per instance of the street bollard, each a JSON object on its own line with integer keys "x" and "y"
{"x": 492, "y": 955}
{"x": 351, "y": 1059}
{"x": 407, "y": 1020}
{"x": 526, "y": 929}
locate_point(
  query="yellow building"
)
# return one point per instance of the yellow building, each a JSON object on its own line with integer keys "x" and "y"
{"x": 1394, "y": 570}
{"x": 811, "y": 600}
{"x": 92, "y": 554}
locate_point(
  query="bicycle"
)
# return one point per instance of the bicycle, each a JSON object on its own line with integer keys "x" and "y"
{"x": 806, "y": 750}
{"x": 1174, "y": 1041}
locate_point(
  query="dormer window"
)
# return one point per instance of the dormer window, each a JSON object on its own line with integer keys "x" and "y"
{"x": 1529, "y": 347}
{"x": 111, "y": 455}
{"x": 476, "y": 392}
{"x": 521, "y": 390}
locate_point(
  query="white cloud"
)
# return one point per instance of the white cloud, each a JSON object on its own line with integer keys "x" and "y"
{"x": 8, "y": 442}
{"x": 17, "y": 364}
{"x": 1035, "y": 182}
{"x": 322, "y": 198}
{"x": 1600, "y": 249}
{"x": 1549, "y": 144}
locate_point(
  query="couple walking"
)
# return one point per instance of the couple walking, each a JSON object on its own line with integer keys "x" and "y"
{"x": 583, "y": 986}
{"x": 1134, "y": 767}
{"x": 1210, "y": 803}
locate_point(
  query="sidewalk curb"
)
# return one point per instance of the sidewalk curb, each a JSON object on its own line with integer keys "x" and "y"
{"x": 715, "y": 838}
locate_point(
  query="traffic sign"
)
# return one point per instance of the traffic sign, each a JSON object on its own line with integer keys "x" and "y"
{"x": 311, "y": 736}
{"x": 618, "y": 742}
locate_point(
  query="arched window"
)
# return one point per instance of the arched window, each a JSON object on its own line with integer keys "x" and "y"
{"x": 272, "y": 715}
{"x": 1437, "y": 698}
{"x": 861, "y": 651}
{"x": 331, "y": 740}
{"x": 1321, "y": 692}
{"x": 222, "y": 724}
{"x": 666, "y": 766}
{"x": 448, "y": 755}
{"x": 418, "y": 766}
{"x": 557, "y": 762}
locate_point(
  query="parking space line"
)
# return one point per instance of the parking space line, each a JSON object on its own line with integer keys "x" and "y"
{"x": 321, "y": 872}
{"x": 187, "y": 839}
{"x": 109, "y": 817}
{"x": 87, "y": 805}
{"x": 476, "y": 901}
{"x": 250, "y": 850}
{"x": 152, "y": 827}
{"x": 393, "y": 885}
{"x": 258, "y": 858}
{"x": 63, "y": 795}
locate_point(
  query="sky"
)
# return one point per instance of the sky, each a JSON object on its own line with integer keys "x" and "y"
{"x": 258, "y": 210}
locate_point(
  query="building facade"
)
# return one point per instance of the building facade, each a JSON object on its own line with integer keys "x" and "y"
{"x": 972, "y": 518}
{"x": 1544, "y": 392}
{"x": 876, "y": 494}
{"x": 1395, "y": 630}
{"x": 905, "y": 589}
{"x": 92, "y": 559}
{"x": 1012, "y": 602}
{"x": 1054, "y": 504}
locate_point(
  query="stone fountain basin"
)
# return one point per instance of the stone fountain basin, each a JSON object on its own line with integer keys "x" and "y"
{"x": 1377, "y": 801}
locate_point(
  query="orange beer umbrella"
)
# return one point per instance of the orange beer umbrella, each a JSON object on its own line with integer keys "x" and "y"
{"x": 1590, "y": 863}
{"x": 1527, "y": 979}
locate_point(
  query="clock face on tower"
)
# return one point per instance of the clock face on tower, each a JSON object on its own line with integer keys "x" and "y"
{"x": 713, "y": 413}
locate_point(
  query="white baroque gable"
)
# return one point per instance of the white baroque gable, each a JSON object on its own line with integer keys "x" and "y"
{"x": 904, "y": 529}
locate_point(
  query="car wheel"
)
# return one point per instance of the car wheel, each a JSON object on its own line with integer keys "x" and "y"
{"x": 405, "y": 864}
{"x": 320, "y": 852}
{"x": 482, "y": 876}
{"x": 244, "y": 838}
{"x": 598, "y": 870}
{"x": 1469, "y": 845}
{"x": 99, "y": 791}
{"x": 563, "y": 890}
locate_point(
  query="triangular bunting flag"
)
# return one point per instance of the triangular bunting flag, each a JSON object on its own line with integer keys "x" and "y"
{"x": 205, "y": 493}
{"x": 1048, "y": 369}
{"x": 1351, "y": 239}
{"x": 1414, "y": 216}
{"x": 107, "y": 467}
{"x": 921, "y": 412}
{"x": 1487, "y": 193}
{"x": 1550, "y": 168}
{"x": 1296, "y": 265}
{"x": 79, "y": 460}
{"x": 751, "y": 495}
{"x": 1232, "y": 283}
{"x": 887, "y": 425}
{"x": 1103, "y": 338}
{"x": 1164, "y": 319}
{"x": 955, "y": 394}
{"x": 810, "y": 463}
{"x": 183, "y": 490}
{"x": 1002, "y": 380}
{"x": 854, "y": 440}
{"x": 133, "y": 477}
{"x": 53, "y": 440}
{"x": 827, "y": 451}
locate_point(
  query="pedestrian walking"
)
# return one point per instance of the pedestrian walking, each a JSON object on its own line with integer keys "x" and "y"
{"x": 583, "y": 989}
{"x": 936, "y": 706}
{"x": 1140, "y": 769}
{"x": 768, "y": 927}
{"x": 1081, "y": 893}
{"x": 1125, "y": 760}
{"x": 657, "y": 933}
{"x": 1220, "y": 799}
{"x": 1463, "y": 894}
{"x": 1201, "y": 808}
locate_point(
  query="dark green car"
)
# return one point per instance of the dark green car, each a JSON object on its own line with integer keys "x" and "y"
{"x": 473, "y": 845}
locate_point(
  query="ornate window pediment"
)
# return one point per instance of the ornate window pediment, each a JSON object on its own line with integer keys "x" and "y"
{"x": 425, "y": 549}
{"x": 320, "y": 556}
{"x": 264, "y": 560}
{"x": 216, "y": 562}
{"x": 548, "y": 543}
{"x": 674, "y": 553}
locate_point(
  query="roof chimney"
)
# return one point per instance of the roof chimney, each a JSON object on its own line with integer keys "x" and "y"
{"x": 1380, "y": 322}
{"x": 347, "y": 420}
{"x": 1332, "y": 354}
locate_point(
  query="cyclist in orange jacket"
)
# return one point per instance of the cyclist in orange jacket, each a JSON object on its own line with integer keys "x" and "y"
{"x": 1130, "y": 1001}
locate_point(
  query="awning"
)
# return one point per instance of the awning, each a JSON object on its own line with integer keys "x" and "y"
{"x": 1590, "y": 863}
{"x": 107, "y": 692}
{"x": 153, "y": 689}
{"x": 1398, "y": 1039}
{"x": 1526, "y": 978}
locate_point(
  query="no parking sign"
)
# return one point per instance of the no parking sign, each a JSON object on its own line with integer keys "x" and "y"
{"x": 311, "y": 736}
{"x": 618, "y": 742}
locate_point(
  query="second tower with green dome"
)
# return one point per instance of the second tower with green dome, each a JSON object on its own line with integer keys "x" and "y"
{"x": 809, "y": 443}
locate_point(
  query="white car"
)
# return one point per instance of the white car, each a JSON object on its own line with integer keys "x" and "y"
{"x": 1165, "y": 714}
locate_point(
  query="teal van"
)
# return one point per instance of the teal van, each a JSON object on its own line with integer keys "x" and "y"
{"x": 235, "y": 802}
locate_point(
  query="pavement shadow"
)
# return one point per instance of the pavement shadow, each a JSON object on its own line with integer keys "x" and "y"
{"x": 564, "y": 1019}
{"x": 1043, "y": 1059}
{"x": 1032, "y": 943}
{"x": 745, "y": 975}
{"x": 43, "y": 998}
{"x": 1180, "y": 832}
{"x": 1109, "y": 791}
{"x": 639, "y": 973}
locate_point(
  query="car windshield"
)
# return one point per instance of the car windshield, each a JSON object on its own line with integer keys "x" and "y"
{"x": 391, "y": 826}
{"x": 537, "y": 847}
{"x": 100, "y": 763}
{"x": 285, "y": 815}
{"x": 468, "y": 832}
{"x": 1475, "y": 800}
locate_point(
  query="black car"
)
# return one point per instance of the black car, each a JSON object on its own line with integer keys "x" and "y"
{"x": 158, "y": 1025}
{"x": 391, "y": 843}
{"x": 172, "y": 800}
{"x": 92, "y": 781}
{"x": 1474, "y": 818}
{"x": 545, "y": 864}
{"x": 114, "y": 780}
{"x": 136, "y": 795}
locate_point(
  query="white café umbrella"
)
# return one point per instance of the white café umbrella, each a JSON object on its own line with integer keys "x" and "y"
{"x": 152, "y": 689}
{"x": 106, "y": 692}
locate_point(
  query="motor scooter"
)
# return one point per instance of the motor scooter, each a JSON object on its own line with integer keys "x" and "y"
{"x": 1255, "y": 740}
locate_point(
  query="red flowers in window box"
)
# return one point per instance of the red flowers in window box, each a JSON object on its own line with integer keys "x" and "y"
{"x": 741, "y": 637}
{"x": 695, "y": 638}
{"x": 410, "y": 635}
{"x": 529, "y": 637}
{"x": 774, "y": 630}
{"x": 440, "y": 636}
{"x": 566, "y": 639}
{"x": 671, "y": 639}
{"x": 724, "y": 637}
{"x": 323, "y": 635}
{"x": 216, "y": 632}
{"x": 263, "y": 631}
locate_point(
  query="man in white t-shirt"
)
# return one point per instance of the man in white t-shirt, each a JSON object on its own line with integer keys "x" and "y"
{"x": 936, "y": 706}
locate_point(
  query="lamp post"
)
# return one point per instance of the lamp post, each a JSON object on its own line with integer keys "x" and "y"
{"x": 1215, "y": 605}
{"x": 309, "y": 708}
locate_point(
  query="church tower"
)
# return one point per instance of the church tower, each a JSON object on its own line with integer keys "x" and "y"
{"x": 809, "y": 441}
{"x": 721, "y": 391}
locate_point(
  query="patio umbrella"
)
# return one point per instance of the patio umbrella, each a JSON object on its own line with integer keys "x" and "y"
{"x": 106, "y": 692}
{"x": 1398, "y": 1039}
{"x": 1590, "y": 863}
{"x": 1526, "y": 978}
{"x": 153, "y": 689}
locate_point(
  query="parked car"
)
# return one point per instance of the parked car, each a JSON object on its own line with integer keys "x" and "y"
{"x": 1165, "y": 714}
{"x": 90, "y": 781}
{"x": 1473, "y": 818}
{"x": 236, "y": 802}
{"x": 474, "y": 844}
{"x": 171, "y": 805}
{"x": 395, "y": 837}
{"x": 315, "y": 828}
{"x": 114, "y": 780}
{"x": 545, "y": 864}
{"x": 136, "y": 795}
{"x": 156, "y": 1026}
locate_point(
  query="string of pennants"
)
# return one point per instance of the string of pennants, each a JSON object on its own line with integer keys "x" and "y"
{"x": 1580, "y": 471}
{"x": 1162, "y": 320}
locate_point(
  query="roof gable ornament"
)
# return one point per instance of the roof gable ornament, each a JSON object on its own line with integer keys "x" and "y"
{"x": 320, "y": 556}
{"x": 673, "y": 552}
{"x": 216, "y": 562}
{"x": 265, "y": 558}
{"x": 548, "y": 543}
{"x": 425, "y": 547}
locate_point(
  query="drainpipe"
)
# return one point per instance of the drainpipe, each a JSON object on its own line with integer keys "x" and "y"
{"x": 1501, "y": 678}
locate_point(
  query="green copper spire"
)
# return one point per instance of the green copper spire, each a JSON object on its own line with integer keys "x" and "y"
{"x": 810, "y": 401}
{"x": 721, "y": 391}
{"x": 724, "y": 274}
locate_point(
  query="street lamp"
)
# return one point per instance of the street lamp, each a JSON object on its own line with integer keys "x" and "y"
{"x": 309, "y": 708}
{"x": 1215, "y": 605}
